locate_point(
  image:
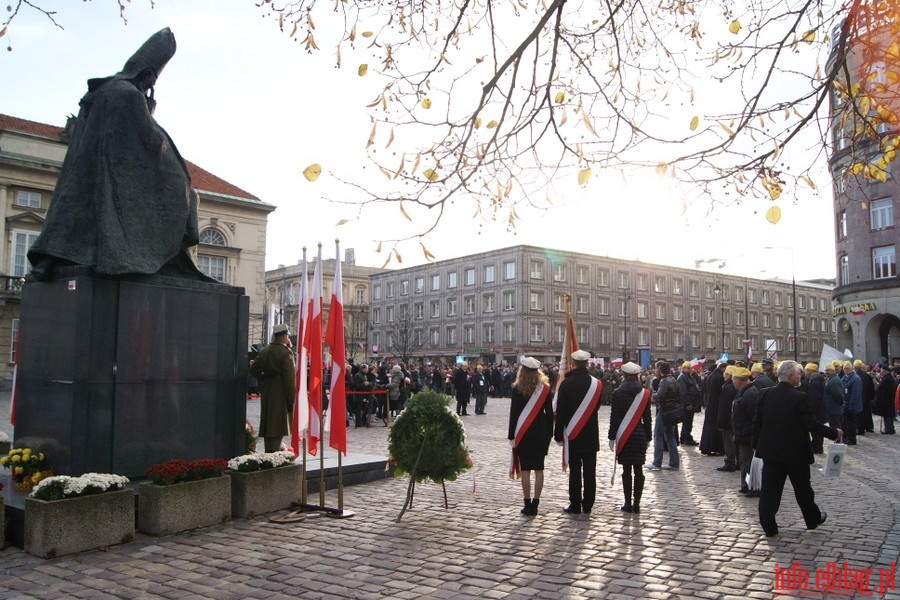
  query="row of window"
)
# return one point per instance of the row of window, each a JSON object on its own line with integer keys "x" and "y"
{"x": 881, "y": 216}
{"x": 884, "y": 264}
{"x": 537, "y": 335}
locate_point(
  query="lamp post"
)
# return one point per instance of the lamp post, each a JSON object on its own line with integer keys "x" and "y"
{"x": 625, "y": 327}
{"x": 793, "y": 292}
{"x": 719, "y": 294}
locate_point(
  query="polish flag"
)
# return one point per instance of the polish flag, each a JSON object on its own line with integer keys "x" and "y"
{"x": 334, "y": 337}
{"x": 313, "y": 344}
{"x": 300, "y": 418}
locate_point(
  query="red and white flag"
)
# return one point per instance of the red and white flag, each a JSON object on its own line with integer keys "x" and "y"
{"x": 300, "y": 421}
{"x": 570, "y": 345}
{"x": 313, "y": 344}
{"x": 334, "y": 337}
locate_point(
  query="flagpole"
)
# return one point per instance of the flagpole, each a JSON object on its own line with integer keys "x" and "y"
{"x": 322, "y": 458}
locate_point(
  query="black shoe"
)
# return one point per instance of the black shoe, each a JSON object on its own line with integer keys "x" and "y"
{"x": 772, "y": 533}
{"x": 752, "y": 494}
{"x": 635, "y": 508}
{"x": 526, "y": 510}
{"x": 626, "y": 508}
{"x": 822, "y": 518}
{"x": 572, "y": 510}
{"x": 744, "y": 490}
{"x": 726, "y": 469}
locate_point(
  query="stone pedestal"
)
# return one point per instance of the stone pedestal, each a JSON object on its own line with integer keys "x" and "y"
{"x": 120, "y": 373}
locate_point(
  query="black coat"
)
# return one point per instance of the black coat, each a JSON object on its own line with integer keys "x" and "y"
{"x": 782, "y": 426}
{"x": 884, "y": 397}
{"x": 536, "y": 440}
{"x": 815, "y": 391}
{"x": 570, "y": 394}
{"x": 743, "y": 409}
{"x": 711, "y": 439}
{"x": 725, "y": 400}
{"x": 635, "y": 450}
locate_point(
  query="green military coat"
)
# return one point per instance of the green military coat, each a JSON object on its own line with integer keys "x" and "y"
{"x": 275, "y": 370}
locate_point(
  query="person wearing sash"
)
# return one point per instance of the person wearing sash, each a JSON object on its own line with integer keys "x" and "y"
{"x": 530, "y": 429}
{"x": 630, "y": 429}
{"x": 578, "y": 431}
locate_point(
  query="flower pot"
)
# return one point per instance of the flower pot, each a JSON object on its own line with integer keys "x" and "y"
{"x": 165, "y": 509}
{"x": 260, "y": 492}
{"x": 75, "y": 524}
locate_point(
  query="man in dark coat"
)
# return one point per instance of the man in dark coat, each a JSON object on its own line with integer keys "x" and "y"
{"x": 867, "y": 394}
{"x": 884, "y": 400}
{"x": 743, "y": 409}
{"x": 711, "y": 438}
{"x": 813, "y": 385}
{"x": 577, "y": 428}
{"x": 274, "y": 368}
{"x": 463, "y": 389}
{"x": 781, "y": 438}
{"x": 690, "y": 397}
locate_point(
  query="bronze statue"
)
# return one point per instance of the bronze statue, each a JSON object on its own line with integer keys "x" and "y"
{"x": 123, "y": 203}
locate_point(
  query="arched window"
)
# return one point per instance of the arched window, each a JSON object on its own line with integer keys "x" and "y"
{"x": 212, "y": 237}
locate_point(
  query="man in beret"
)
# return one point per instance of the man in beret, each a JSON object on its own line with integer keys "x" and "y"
{"x": 768, "y": 367}
{"x": 577, "y": 429}
{"x": 759, "y": 378}
{"x": 743, "y": 410}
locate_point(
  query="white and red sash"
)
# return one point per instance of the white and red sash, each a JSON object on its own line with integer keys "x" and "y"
{"x": 584, "y": 412}
{"x": 631, "y": 419}
{"x": 532, "y": 409}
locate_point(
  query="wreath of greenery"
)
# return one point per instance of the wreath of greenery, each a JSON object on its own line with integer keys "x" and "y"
{"x": 444, "y": 455}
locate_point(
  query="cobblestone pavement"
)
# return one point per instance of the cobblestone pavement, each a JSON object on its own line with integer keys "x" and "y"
{"x": 696, "y": 537}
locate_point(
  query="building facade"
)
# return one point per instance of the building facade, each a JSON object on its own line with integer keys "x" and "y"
{"x": 232, "y": 222}
{"x": 866, "y": 197}
{"x": 283, "y": 295}
{"x": 496, "y": 306}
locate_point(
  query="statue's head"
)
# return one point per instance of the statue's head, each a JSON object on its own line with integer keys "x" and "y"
{"x": 147, "y": 63}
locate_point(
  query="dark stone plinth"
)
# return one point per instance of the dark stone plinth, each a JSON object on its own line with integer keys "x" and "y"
{"x": 119, "y": 373}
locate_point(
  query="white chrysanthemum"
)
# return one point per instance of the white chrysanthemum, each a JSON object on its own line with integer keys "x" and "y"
{"x": 3, "y": 437}
{"x": 255, "y": 462}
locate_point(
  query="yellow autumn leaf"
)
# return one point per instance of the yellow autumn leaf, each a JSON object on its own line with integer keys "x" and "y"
{"x": 362, "y": 69}
{"x": 773, "y": 215}
{"x": 341, "y": 222}
{"x": 734, "y": 27}
{"x": 426, "y": 102}
{"x": 491, "y": 124}
{"x": 560, "y": 97}
{"x": 810, "y": 36}
{"x": 661, "y": 168}
{"x": 695, "y": 122}
{"x": 312, "y": 172}
{"x": 431, "y": 175}
{"x": 367, "y": 34}
{"x": 584, "y": 175}
{"x": 477, "y": 122}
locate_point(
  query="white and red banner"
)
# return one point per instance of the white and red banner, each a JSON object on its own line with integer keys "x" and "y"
{"x": 334, "y": 337}
{"x": 313, "y": 344}
{"x": 570, "y": 345}
{"x": 584, "y": 412}
{"x": 300, "y": 417}
{"x": 631, "y": 419}
{"x": 532, "y": 409}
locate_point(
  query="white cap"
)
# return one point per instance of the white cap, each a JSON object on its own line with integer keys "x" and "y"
{"x": 581, "y": 355}
{"x": 529, "y": 362}
{"x": 631, "y": 369}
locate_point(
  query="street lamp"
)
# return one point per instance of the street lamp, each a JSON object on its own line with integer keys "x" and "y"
{"x": 793, "y": 292}
{"x": 625, "y": 329}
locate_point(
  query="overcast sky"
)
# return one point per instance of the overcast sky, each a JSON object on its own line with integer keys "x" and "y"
{"x": 245, "y": 102}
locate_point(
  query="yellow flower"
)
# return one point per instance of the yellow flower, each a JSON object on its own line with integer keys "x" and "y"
{"x": 16, "y": 458}
{"x": 4, "y": 460}
{"x": 17, "y": 470}
{"x": 41, "y": 457}
{"x": 15, "y": 451}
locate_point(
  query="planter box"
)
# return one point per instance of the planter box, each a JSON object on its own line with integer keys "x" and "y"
{"x": 76, "y": 524}
{"x": 165, "y": 509}
{"x": 265, "y": 491}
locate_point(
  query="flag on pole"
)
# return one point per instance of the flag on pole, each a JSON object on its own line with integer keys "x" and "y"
{"x": 313, "y": 343}
{"x": 570, "y": 345}
{"x": 334, "y": 337}
{"x": 300, "y": 417}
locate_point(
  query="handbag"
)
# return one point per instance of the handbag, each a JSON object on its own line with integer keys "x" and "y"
{"x": 834, "y": 460}
{"x": 754, "y": 475}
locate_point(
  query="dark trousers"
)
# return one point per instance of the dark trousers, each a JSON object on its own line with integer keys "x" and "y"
{"x": 583, "y": 464}
{"x": 850, "y": 427}
{"x": 687, "y": 428}
{"x": 728, "y": 442}
{"x": 745, "y": 457}
{"x": 836, "y": 421}
{"x": 773, "y": 477}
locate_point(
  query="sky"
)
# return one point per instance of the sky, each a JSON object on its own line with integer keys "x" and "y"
{"x": 247, "y": 103}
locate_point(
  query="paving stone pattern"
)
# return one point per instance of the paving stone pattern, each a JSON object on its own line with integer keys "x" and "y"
{"x": 696, "y": 537}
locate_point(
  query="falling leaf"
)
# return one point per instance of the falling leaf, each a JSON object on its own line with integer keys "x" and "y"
{"x": 367, "y": 34}
{"x": 695, "y": 122}
{"x": 312, "y": 172}
{"x": 425, "y": 251}
{"x": 773, "y": 215}
{"x": 2, "y": 32}
{"x": 431, "y": 174}
{"x": 492, "y": 124}
{"x": 734, "y": 27}
{"x": 426, "y": 102}
{"x": 362, "y": 70}
{"x": 341, "y": 222}
{"x": 560, "y": 97}
{"x": 584, "y": 175}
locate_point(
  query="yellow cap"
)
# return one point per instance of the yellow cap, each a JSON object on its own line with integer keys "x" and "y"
{"x": 857, "y": 363}
{"x": 812, "y": 367}
{"x": 729, "y": 370}
{"x": 686, "y": 364}
{"x": 756, "y": 368}
{"x": 741, "y": 372}
{"x": 846, "y": 363}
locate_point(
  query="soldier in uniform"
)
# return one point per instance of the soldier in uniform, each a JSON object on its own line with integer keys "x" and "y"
{"x": 275, "y": 370}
